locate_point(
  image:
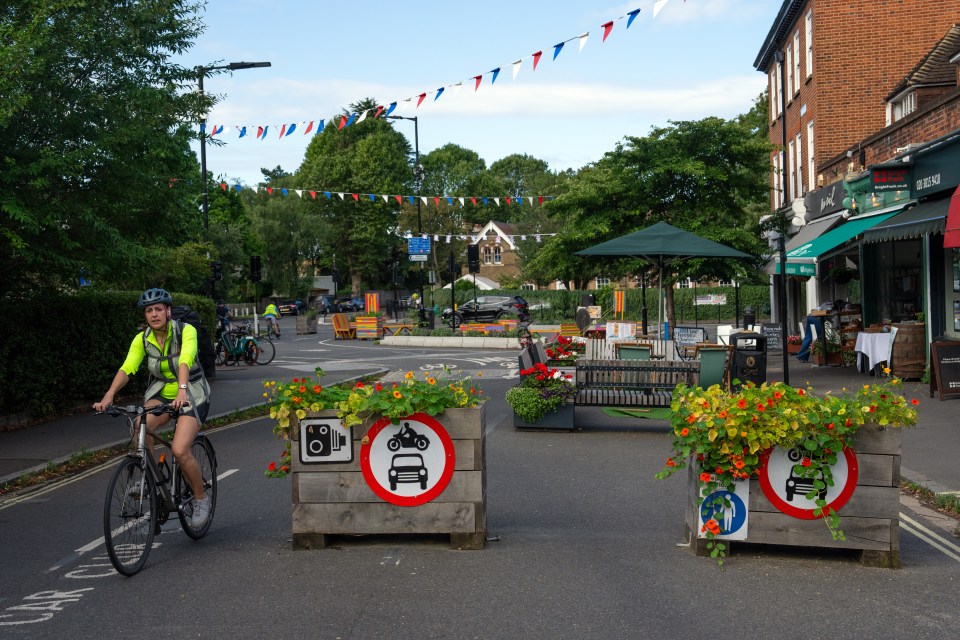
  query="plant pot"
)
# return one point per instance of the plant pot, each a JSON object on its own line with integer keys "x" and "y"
{"x": 562, "y": 418}
{"x": 336, "y": 498}
{"x": 307, "y": 324}
{"x": 869, "y": 516}
{"x": 793, "y": 349}
{"x": 834, "y": 358}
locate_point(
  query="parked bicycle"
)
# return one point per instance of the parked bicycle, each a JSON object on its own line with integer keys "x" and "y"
{"x": 240, "y": 345}
{"x": 144, "y": 492}
{"x": 264, "y": 346}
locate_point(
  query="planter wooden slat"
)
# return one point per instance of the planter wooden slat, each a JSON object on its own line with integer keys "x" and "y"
{"x": 866, "y": 501}
{"x": 875, "y": 534}
{"x": 380, "y": 517}
{"x": 352, "y": 487}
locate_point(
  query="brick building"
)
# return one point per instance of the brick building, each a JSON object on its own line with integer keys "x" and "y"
{"x": 838, "y": 72}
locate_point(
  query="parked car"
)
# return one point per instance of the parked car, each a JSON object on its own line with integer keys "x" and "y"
{"x": 289, "y": 308}
{"x": 350, "y": 304}
{"x": 488, "y": 308}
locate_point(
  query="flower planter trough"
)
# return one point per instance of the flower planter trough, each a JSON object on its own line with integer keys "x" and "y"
{"x": 561, "y": 419}
{"x": 335, "y": 498}
{"x": 869, "y": 519}
{"x": 307, "y": 324}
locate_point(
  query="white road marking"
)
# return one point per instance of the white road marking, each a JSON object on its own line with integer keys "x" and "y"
{"x": 934, "y": 540}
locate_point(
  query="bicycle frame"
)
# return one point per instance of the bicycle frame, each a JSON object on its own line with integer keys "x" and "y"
{"x": 171, "y": 501}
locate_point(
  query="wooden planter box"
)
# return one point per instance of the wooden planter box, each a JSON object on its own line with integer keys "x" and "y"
{"x": 869, "y": 520}
{"x": 834, "y": 358}
{"x": 369, "y": 327}
{"x": 306, "y": 324}
{"x": 334, "y": 498}
{"x": 562, "y": 418}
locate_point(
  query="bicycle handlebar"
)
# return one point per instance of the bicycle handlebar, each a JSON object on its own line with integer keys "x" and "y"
{"x": 136, "y": 410}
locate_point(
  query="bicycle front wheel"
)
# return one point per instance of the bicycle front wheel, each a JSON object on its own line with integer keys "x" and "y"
{"x": 221, "y": 350}
{"x": 204, "y": 455}
{"x": 266, "y": 351}
{"x": 130, "y": 516}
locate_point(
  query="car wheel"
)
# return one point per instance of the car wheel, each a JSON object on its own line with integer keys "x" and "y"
{"x": 455, "y": 321}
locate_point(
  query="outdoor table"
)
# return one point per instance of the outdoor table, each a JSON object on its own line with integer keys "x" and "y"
{"x": 873, "y": 346}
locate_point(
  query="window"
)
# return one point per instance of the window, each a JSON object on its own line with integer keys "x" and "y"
{"x": 774, "y": 107}
{"x": 779, "y": 85}
{"x": 496, "y": 255}
{"x": 528, "y": 286}
{"x": 777, "y": 189}
{"x": 487, "y": 255}
{"x": 809, "y": 25}
{"x": 684, "y": 284}
{"x": 789, "y": 72}
{"x": 790, "y": 173}
{"x": 905, "y": 106}
{"x": 799, "y": 147}
{"x": 796, "y": 61}
{"x": 726, "y": 283}
{"x": 602, "y": 282}
{"x": 811, "y": 166}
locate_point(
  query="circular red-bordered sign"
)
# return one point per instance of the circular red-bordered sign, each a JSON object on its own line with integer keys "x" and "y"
{"x": 787, "y": 492}
{"x": 410, "y": 463}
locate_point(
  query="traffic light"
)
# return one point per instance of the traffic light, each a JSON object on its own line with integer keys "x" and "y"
{"x": 216, "y": 269}
{"x": 473, "y": 258}
{"x": 395, "y": 273}
{"x": 255, "y": 268}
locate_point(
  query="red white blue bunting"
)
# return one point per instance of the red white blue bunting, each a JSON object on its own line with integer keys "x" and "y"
{"x": 463, "y": 201}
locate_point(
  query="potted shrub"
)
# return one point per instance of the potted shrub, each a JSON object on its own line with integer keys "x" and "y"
{"x": 307, "y": 322}
{"x": 725, "y": 437}
{"x": 793, "y": 344}
{"x": 541, "y": 400}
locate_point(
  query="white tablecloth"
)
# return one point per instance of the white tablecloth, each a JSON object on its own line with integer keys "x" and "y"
{"x": 873, "y": 345}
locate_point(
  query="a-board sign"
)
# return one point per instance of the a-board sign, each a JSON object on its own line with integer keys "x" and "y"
{"x": 689, "y": 336}
{"x": 773, "y": 332}
{"x": 945, "y": 368}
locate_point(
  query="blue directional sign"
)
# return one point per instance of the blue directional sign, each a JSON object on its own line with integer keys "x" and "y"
{"x": 418, "y": 246}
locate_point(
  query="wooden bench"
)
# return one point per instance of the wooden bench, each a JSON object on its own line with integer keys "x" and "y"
{"x": 342, "y": 329}
{"x": 643, "y": 383}
{"x": 398, "y": 329}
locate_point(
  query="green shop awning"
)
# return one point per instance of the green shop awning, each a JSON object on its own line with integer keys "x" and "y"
{"x": 915, "y": 222}
{"x": 807, "y": 233}
{"x": 836, "y": 237}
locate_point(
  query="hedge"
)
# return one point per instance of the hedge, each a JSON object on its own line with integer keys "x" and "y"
{"x": 61, "y": 351}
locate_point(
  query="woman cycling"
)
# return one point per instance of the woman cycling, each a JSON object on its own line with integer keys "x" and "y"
{"x": 176, "y": 378}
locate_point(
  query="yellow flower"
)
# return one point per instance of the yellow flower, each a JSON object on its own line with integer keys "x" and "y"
{"x": 432, "y": 380}
{"x": 886, "y": 371}
{"x": 409, "y": 375}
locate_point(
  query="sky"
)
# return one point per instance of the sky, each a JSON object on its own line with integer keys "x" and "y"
{"x": 693, "y": 60}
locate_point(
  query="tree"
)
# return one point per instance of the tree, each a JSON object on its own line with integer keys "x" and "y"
{"x": 705, "y": 176}
{"x": 97, "y": 170}
{"x": 368, "y": 157}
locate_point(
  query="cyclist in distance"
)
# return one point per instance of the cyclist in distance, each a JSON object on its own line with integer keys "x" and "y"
{"x": 272, "y": 315}
{"x": 176, "y": 378}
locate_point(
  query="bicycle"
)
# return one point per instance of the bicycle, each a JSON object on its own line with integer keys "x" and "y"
{"x": 524, "y": 337}
{"x": 240, "y": 344}
{"x": 262, "y": 344}
{"x": 139, "y": 496}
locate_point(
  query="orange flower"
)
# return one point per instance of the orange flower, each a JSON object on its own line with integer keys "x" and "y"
{"x": 704, "y": 477}
{"x": 684, "y": 432}
{"x": 805, "y": 462}
{"x": 397, "y": 395}
{"x": 296, "y": 399}
{"x": 723, "y": 414}
{"x": 272, "y": 466}
{"x": 671, "y": 463}
{"x": 761, "y": 406}
{"x": 359, "y": 385}
{"x": 302, "y": 389}
{"x": 431, "y": 381}
{"x": 409, "y": 375}
{"x": 914, "y": 401}
{"x": 739, "y": 464}
{"x": 692, "y": 419}
{"x": 777, "y": 395}
{"x": 742, "y": 404}
{"x": 801, "y": 392}
{"x": 378, "y": 387}
{"x": 317, "y": 388}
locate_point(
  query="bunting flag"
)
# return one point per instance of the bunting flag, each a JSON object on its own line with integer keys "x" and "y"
{"x": 346, "y": 120}
{"x": 451, "y": 201}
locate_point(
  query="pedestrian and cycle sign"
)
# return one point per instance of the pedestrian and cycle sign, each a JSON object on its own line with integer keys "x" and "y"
{"x": 324, "y": 440}
{"x": 418, "y": 246}
{"x": 786, "y": 487}
{"x": 410, "y": 463}
{"x": 728, "y": 509}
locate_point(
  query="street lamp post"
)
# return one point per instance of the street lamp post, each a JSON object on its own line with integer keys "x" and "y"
{"x": 781, "y": 239}
{"x": 418, "y": 175}
{"x": 201, "y": 72}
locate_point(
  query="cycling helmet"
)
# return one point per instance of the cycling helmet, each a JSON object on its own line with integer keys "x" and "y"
{"x": 153, "y": 296}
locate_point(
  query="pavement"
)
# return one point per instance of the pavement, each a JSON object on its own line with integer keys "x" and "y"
{"x": 929, "y": 456}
